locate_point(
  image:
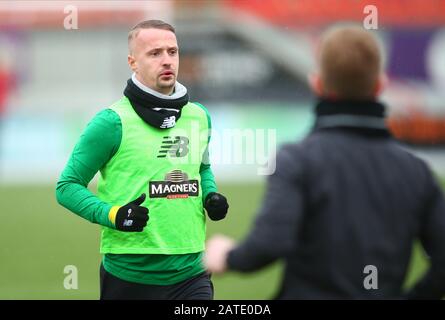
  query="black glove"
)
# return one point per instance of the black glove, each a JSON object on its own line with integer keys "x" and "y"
{"x": 132, "y": 217}
{"x": 216, "y": 206}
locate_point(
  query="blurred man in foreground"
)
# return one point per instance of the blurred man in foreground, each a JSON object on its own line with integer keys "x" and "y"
{"x": 347, "y": 198}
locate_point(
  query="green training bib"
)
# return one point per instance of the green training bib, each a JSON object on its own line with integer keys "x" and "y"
{"x": 164, "y": 164}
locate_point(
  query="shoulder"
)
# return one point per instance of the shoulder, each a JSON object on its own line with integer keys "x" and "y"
{"x": 290, "y": 160}
{"x": 419, "y": 173}
{"x": 107, "y": 114}
{"x": 416, "y": 164}
{"x": 200, "y": 108}
{"x": 106, "y": 118}
{"x": 291, "y": 150}
{"x": 105, "y": 127}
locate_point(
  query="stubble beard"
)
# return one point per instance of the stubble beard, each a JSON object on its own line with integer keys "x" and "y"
{"x": 167, "y": 84}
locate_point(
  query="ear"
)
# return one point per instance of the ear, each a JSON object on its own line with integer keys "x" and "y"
{"x": 382, "y": 82}
{"x": 132, "y": 63}
{"x": 315, "y": 83}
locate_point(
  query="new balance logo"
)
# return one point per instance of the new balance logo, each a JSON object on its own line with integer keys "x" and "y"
{"x": 174, "y": 147}
{"x": 169, "y": 122}
{"x": 128, "y": 223}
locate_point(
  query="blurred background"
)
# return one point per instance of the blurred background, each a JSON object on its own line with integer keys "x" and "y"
{"x": 245, "y": 60}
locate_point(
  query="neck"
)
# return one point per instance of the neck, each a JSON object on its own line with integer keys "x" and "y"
{"x": 152, "y": 107}
{"x": 138, "y": 82}
{"x": 363, "y": 116}
{"x": 370, "y": 107}
{"x": 136, "y": 91}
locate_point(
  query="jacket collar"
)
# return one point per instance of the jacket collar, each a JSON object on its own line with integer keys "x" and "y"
{"x": 363, "y": 117}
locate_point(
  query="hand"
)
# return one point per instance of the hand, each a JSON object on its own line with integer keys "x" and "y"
{"x": 216, "y": 206}
{"x": 132, "y": 217}
{"x": 217, "y": 249}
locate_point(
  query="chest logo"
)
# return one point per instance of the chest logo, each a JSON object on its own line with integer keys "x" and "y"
{"x": 175, "y": 147}
{"x": 175, "y": 185}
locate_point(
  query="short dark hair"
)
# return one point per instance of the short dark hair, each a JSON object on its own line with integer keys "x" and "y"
{"x": 149, "y": 24}
{"x": 350, "y": 60}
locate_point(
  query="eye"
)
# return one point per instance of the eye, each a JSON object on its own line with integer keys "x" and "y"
{"x": 173, "y": 52}
{"x": 154, "y": 53}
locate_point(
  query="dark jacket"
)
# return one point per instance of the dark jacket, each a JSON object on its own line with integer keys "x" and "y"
{"x": 346, "y": 197}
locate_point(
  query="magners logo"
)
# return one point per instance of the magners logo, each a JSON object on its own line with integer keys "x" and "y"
{"x": 176, "y": 185}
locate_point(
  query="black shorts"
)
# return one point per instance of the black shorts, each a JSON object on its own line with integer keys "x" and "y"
{"x": 199, "y": 287}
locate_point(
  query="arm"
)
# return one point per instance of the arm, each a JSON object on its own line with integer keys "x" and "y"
{"x": 432, "y": 236}
{"x": 215, "y": 204}
{"x": 207, "y": 178}
{"x": 97, "y": 144}
{"x": 275, "y": 229}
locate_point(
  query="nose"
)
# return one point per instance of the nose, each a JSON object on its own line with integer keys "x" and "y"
{"x": 166, "y": 59}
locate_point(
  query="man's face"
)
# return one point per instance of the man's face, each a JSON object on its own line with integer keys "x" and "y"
{"x": 154, "y": 58}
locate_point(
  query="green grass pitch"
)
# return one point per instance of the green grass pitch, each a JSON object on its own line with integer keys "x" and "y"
{"x": 39, "y": 238}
